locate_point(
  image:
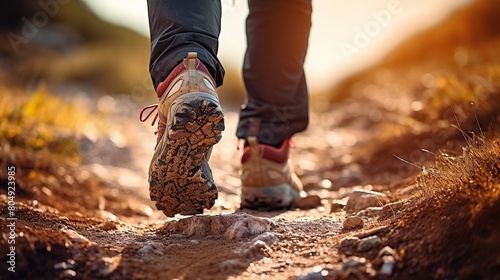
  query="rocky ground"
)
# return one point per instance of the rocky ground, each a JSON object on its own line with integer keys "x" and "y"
{"x": 95, "y": 221}
{"x": 401, "y": 168}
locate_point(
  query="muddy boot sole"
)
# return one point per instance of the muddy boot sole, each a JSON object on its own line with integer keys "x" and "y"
{"x": 180, "y": 179}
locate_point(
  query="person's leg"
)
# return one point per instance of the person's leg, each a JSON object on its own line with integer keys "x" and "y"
{"x": 185, "y": 73}
{"x": 178, "y": 27}
{"x": 277, "y": 40}
{"x": 277, "y": 103}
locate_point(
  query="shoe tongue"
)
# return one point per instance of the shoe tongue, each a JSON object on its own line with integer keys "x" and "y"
{"x": 192, "y": 61}
{"x": 253, "y": 143}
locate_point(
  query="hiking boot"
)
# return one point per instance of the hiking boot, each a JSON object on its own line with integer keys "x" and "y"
{"x": 267, "y": 179}
{"x": 190, "y": 123}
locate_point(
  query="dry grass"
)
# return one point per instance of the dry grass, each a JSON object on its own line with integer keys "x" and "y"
{"x": 477, "y": 84}
{"x": 449, "y": 229}
{"x": 40, "y": 125}
{"x": 474, "y": 175}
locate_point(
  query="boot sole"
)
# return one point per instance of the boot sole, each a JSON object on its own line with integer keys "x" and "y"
{"x": 268, "y": 198}
{"x": 180, "y": 180}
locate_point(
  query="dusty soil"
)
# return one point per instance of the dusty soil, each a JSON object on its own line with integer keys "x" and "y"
{"x": 94, "y": 222}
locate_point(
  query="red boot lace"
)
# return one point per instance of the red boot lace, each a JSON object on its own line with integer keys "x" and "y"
{"x": 152, "y": 108}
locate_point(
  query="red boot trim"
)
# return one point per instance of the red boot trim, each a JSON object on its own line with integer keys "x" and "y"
{"x": 279, "y": 155}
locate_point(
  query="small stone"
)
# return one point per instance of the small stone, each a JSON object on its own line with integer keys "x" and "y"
{"x": 368, "y": 243}
{"x": 255, "y": 249}
{"x": 154, "y": 248}
{"x": 75, "y": 236}
{"x": 388, "y": 265}
{"x": 337, "y": 206}
{"x": 317, "y": 273}
{"x": 386, "y": 251}
{"x": 63, "y": 265}
{"x": 362, "y": 199}
{"x": 353, "y": 222}
{"x": 347, "y": 244}
{"x": 108, "y": 225}
{"x": 267, "y": 237}
{"x": 353, "y": 262}
{"x": 146, "y": 249}
{"x": 46, "y": 191}
{"x": 68, "y": 273}
{"x": 106, "y": 265}
{"x": 308, "y": 202}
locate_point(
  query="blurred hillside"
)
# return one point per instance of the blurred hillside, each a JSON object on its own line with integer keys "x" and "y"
{"x": 453, "y": 42}
{"x": 66, "y": 44}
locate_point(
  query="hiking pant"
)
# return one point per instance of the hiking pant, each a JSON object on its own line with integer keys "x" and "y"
{"x": 277, "y": 37}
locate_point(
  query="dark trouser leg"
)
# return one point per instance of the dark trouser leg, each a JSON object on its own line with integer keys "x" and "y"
{"x": 277, "y": 38}
{"x": 181, "y": 26}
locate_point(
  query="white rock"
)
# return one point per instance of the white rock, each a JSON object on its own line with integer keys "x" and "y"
{"x": 152, "y": 248}
{"x": 362, "y": 199}
{"x": 231, "y": 226}
{"x": 146, "y": 249}
{"x": 247, "y": 226}
{"x": 386, "y": 251}
{"x": 255, "y": 249}
{"x": 388, "y": 265}
{"x": 318, "y": 273}
{"x": 267, "y": 237}
{"x": 61, "y": 265}
{"x": 68, "y": 273}
{"x": 75, "y": 236}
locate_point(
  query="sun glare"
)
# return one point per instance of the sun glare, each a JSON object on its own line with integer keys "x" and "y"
{"x": 345, "y": 37}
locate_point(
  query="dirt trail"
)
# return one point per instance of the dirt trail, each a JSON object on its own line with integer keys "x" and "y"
{"x": 96, "y": 221}
{"x": 366, "y": 215}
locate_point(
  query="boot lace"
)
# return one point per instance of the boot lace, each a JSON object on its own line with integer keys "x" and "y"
{"x": 150, "y": 109}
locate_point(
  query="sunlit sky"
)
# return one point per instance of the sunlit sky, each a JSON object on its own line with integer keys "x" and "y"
{"x": 335, "y": 47}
